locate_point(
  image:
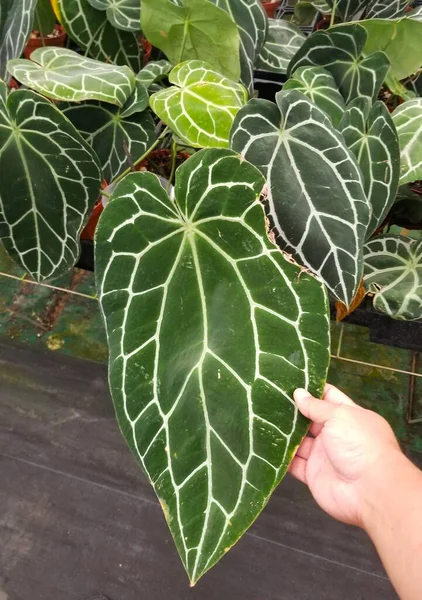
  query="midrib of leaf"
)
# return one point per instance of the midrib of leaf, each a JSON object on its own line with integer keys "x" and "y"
{"x": 185, "y": 36}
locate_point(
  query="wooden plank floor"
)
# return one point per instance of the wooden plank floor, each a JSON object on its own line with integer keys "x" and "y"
{"x": 78, "y": 519}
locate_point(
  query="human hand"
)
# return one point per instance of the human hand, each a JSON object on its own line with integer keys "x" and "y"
{"x": 350, "y": 447}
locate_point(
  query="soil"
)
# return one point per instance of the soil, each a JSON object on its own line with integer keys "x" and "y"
{"x": 160, "y": 162}
{"x": 35, "y": 34}
{"x": 390, "y": 100}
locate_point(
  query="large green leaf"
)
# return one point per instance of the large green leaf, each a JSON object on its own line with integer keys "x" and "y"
{"x": 52, "y": 182}
{"x": 62, "y": 74}
{"x": 210, "y": 330}
{"x": 16, "y": 17}
{"x": 319, "y": 86}
{"x": 93, "y": 32}
{"x": 400, "y": 40}
{"x": 201, "y": 105}
{"x": 112, "y": 135}
{"x": 154, "y": 71}
{"x": 393, "y": 271}
{"x": 123, "y": 14}
{"x": 315, "y": 190}
{"x": 339, "y": 50}
{"x": 283, "y": 41}
{"x": 408, "y": 121}
{"x": 371, "y": 135}
{"x": 197, "y": 29}
{"x": 387, "y": 9}
{"x": 348, "y": 9}
{"x": 251, "y": 21}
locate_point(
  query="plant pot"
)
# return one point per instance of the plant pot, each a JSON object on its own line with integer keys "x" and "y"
{"x": 271, "y": 7}
{"x": 38, "y": 42}
{"x": 147, "y": 49}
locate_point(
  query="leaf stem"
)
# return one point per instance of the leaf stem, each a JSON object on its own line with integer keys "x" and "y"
{"x": 173, "y": 163}
{"x": 143, "y": 157}
{"x": 333, "y": 13}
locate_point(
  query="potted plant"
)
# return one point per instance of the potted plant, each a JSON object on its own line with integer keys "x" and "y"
{"x": 213, "y": 284}
{"x": 46, "y": 31}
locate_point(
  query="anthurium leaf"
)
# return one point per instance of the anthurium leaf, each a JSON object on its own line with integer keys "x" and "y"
{"x": 339, "y": 50}
{"x": 154, "y": 71}
{"x": 44, "y": 18}
{"x": 122, "y": 14}
{"x": 283, "y": 41}
{"x": 112, "y": 135}
{"x": 400, "y": 40}
{"x": 210, "y": 330}
{"x": 416, "y": 13}
{"x": 393, "y": 271}
{"x": 62, "y": 74}
{"x": 316, "y": 200}
{"x": 52, "y": 182}
{"x": 319, "y": 86}
{"x": 93, "y": 32}
{"x": 387, "y": 9}
{"x": 137, "y": 102}
{"x": 201, "y": 105}
{"x": 197, "y": 29}
{"x": 408, "y": 121}
{"x": 348, "y": 9}
{"x": 16, "y": 18}
{"x": 251, "y": 21}
{"x": 371, "y": 135}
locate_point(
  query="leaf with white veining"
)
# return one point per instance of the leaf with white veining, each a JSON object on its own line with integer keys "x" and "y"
{"x": 283, "y": 41}
{"x": 408, "y": 121}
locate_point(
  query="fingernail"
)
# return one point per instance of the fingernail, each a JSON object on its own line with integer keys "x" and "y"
{"x": 300, "y": 395}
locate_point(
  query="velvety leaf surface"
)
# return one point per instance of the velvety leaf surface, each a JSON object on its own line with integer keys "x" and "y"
{"x": 210, "y": 330}
{"x": 154, "y": 71}
{"x": 51, "y": 184}
{"x": 371, "y": 135}
{"x": 16, "y": 17}
{"x": 123, "y": 14}
{"x": 92, "y": 31}
{"x": 347, "y": 9}
{"x": 44, "y": 18}
{"x": 408, "y": 121}
{"x": 315, "y": 190}
{"x": 339, "y": 50}
{"x": 201, "y": 105}
{"x": 283, "y": 41}
{"x": 387, "y": 9}
{"x": 393, "y": 271}
{"x": 319, "y": 86}
{"x": 194, "y": 29}
{"x": 137, "y": 101}
{"x": 62, "y": 74}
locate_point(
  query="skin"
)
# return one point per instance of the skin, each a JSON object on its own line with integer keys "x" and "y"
{"x": 357, "y": 473}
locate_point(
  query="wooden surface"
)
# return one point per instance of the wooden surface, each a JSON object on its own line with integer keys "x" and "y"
{"x": 78, "y": 519}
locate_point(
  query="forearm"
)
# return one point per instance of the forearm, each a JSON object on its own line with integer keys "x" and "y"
{"x": 393, "y": 520}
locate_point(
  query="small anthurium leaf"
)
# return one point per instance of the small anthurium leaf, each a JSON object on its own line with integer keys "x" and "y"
{"x": 251, "y": 21}
{"x": 201, "y": 105}
{"x": 16, "y": 18}
{"x": 316, "y": 200}
{"x": 93, "y": 32}
{"x": 52, "y": 182}
{"x": 371, "y": 135}
{"x": 393, "y": 272}
{"x": 112, "y": 135}
{"x": 339, "y": 50}
{"x": 319, "y": 86}
{"x": 122, "y": 14}
{"x": 154, "y": 71}
{"x": 387, "y": 9}
{"x": 62, "y": 74}
{"x": 348, "y": 9}
{"x": 193, "y": 29}
{"x": 408, "y": 121}
{"x": 210, "y": 330}
{"x": 137, "y": 102}
{"x": 283, "y": 41}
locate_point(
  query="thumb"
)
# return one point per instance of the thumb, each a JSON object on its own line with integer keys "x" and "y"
{"x": 318, "y": 411}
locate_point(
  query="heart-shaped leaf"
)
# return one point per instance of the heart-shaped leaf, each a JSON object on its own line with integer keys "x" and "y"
{"x": 52, "y": 182}
{"x": 113, "y": 135}
{"x": 210, "y": 330}
{"x": 201, "y": 105}
{"x": 154, "y": 71}
{"x": 193, "y": 29}
{"x": 371, "y": 135}
{"x": 316, "y": 199}
{"x": 137, "y": 102}
{"x": 123, "y": 14}
{"x": 93, "y": 32}
{"x": 387, "y": 9}
{"x": 348, "y": 9}
{"x": 16, "y": 17}
{"x": 393, "y": 271}
{"x": 400, "y": 40}
{"x": 408, "y": 121}
{"x": 251, "y": 21}
{"x": 319, "y": 86}
{"x": 283, "y": 41}
{"x": 339, "y": 50}
{"x": 62, "y": 74}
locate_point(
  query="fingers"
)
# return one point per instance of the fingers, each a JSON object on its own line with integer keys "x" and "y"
{"x": 334, "y": 395}
{"x": 305, "y": 448}
{"x": 298, "y": 468}
{"x": 317, "y": 411}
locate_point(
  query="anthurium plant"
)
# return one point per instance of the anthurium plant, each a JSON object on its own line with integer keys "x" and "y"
{"x": 214, "y": 281}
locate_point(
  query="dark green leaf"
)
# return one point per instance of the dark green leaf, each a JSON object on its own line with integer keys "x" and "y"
{"x": 408, "y": 121}
{"x": 122, "y": 14}
{"x": 154, "y": 71}
{"x": 16, "y": 17}
{"x": 45, "y": 19}
{"x": 283, "y": 41}
{"x": 387, "y": 9}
